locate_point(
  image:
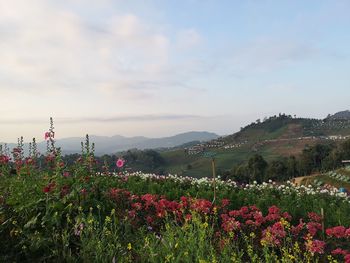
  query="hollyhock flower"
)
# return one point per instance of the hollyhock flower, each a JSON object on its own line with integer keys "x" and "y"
{"x": 48, "y": 135}
{"x": 120, "y": 163}
{"x": 29, "y": 161}
{"x": 4, "y": 159}
{"x": 66, "y": 174}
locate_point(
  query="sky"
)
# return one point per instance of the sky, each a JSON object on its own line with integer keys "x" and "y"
{"x": 160, "y": 67}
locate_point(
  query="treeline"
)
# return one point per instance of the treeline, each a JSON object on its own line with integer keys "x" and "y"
{"x": 318, "y": 158}
{"x": 146, "y": 160}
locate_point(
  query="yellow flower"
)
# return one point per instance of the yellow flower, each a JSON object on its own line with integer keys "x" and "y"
{"x": 129, "y": 246}
{"x": 205, "y": 225}
{"x": 108, "y": 219}
{"x": 285, "y": 223}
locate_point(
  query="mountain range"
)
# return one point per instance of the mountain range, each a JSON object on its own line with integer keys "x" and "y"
{"x": 118, "y": 143}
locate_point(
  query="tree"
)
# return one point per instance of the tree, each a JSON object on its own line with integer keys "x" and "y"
{"x": 257, "y": 168}
{"x": 276, "y": 170}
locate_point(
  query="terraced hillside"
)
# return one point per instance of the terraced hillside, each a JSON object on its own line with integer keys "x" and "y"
{"x": 275, "y": 137}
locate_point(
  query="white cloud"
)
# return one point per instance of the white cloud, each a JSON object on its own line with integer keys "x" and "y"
{"x": 53, "y": 48}
{"x": 189, "y": 38}
{"x": 263, "y": 55}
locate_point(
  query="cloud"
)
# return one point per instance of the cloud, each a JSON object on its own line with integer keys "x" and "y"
{"x": 264, "y": 55}
{"x": 48, "y": 47}
{"x": 189, "y": 38}
{"x": 132, "y": 118}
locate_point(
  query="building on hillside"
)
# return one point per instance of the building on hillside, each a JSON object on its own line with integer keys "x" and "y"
{"x": 196, "y": 149}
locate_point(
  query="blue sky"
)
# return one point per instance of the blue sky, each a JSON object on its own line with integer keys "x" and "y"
{"x": 161, "y": 67}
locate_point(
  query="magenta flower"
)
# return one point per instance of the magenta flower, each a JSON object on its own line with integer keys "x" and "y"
{"x": 49, "y": 135}
{"x": 120, "y": 163}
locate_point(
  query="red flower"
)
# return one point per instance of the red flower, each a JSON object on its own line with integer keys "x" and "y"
{"x": 297, "y": 229}
{"x": 46, "y": 189}
{"x": 315, "y": 246}
{"x": 29, "y": 161}
{"x": 339, "y": 251}
{"x": 4, "y": 159}
{"x": 230, "y": 224}
{"x": 313, "y": 227}
{"x": 274, "y": 235}
{"x": 347, "y": 233}
{"x": 314, "y": 217}
{"x": 337, "y": 231}
{"x": 225, "y": 202}
{"x": 137, "y": 206}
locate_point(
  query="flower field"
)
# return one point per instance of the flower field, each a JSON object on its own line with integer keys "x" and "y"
{"x": 78, "y": 214}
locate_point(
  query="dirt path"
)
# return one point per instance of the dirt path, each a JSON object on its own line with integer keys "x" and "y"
{"x": 298, "y": 180}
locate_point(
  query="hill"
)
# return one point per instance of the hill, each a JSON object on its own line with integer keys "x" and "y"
{"x": 341, "y": 115}
{"x": 117, "y": 143}
{"x": 273, "y": 138}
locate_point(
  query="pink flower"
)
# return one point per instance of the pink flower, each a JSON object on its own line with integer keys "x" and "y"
{"x": 49, "y": 135}
{"x": 120, "y": 163}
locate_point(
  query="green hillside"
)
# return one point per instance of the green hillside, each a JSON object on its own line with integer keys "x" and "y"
{"x": 273, "y": 138}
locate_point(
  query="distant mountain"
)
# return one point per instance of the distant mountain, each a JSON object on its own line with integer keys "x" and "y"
{"x": 109, "y": 145}
{"x": 341, "y": 115}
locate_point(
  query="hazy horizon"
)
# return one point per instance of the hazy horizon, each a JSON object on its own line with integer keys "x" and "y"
{"x": 159, "y": 68}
